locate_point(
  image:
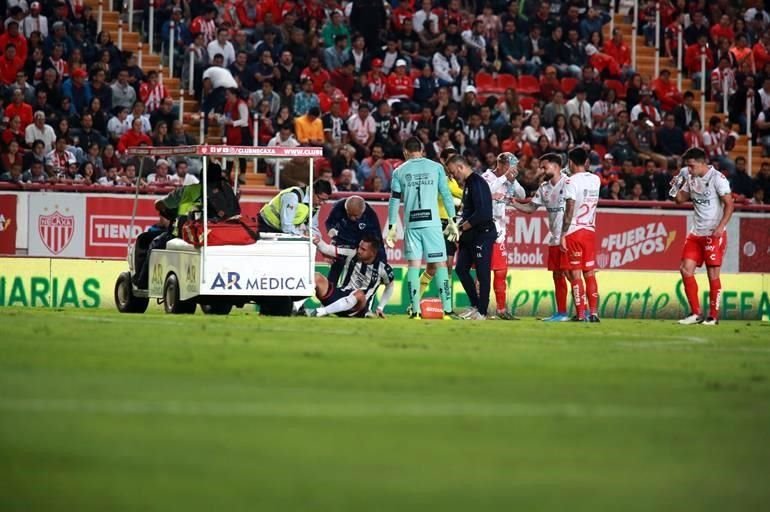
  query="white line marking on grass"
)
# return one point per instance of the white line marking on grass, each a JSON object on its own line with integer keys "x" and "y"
{"x": 688, "y": 340}
{"x": 349, "y": 410}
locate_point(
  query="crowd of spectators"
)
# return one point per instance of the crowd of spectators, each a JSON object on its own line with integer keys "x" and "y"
{"x": 359, "y": 78}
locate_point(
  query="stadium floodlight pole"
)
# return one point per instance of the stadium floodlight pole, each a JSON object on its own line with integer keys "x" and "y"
{"x": 171, "y": 50}
{"x": 151, "y": 28}
{"x": 100, "y": 18}
{"x": 181, "y": 105}
{"x": 750, "y": 151}
{"x": 725, "y": 93}
{"x": 191, "y": 78}
{"x": 139, "y": 59}
{"x": 679, "y": 48}
{"x": 657, "y": 39}
{"x": 634, "y": 29}
{"x": 120, "y": 35}
{"x": 703, "y": 85}
{"x": 130, "y": 15}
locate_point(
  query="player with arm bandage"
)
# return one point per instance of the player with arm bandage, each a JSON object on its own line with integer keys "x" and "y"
{"x": 503, "y": 187}
{"x": 417, "y": 183}
{"x": 364, "y": 271}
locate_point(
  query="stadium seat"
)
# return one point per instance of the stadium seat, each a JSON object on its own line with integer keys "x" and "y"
{"x": 528, "y": 84}
{"x": 568, "y": 85}
{"x": 485, "y": 82}
{"x": 620, "y": 89}
{"x": 527, "y": 102}
{"x": 506, "y": 81}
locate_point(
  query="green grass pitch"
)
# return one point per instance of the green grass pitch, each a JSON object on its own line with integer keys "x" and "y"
{"x": 108, "y": 412}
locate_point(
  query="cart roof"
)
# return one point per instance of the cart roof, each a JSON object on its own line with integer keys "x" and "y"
{"x": 218, "y": 150}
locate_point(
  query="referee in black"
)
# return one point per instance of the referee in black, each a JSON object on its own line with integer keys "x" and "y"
{"x": 477, "y": 236}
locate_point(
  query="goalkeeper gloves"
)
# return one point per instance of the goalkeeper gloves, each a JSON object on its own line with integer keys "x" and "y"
{"x": 390, "y": 239}
{"x": 451, "y": 232}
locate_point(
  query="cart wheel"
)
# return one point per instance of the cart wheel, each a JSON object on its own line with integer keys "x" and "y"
{"x": 171, "y": 302}
{"x": 124, "y": 296}
{"x": 276, "y": 306}
{"x": 220, "y": 308}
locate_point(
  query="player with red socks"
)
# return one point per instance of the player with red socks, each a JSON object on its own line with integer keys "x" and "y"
{"x": 712, "y": 202}
{"x": 550, "y": 194}
{"x": 578, "y": 235}
{"x": 503, "y": 186}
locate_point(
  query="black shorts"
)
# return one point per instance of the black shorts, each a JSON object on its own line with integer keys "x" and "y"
{"x": 451, "y": 247}
{"x": 334, "y": 294}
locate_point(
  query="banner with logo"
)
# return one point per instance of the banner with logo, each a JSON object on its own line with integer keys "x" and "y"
{"x": 87, "y": 284}
{"x": 108, "y": 224}
{"x": 625, "y": 240}
{"x": 8, "y": 224}
{"x": 755, "y": 244}
{"x": 57, "y": 225}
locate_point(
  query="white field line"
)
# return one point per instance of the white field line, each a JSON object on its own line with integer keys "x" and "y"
{"x": 686, "y": 340}
{"x": 349, "y": 410}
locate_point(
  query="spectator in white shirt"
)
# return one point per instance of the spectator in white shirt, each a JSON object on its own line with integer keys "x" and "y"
{"x": 580, "y": 107}
{"x": 38, "y": 130}
{"x": 425, "y": 14}
{"x": 362, "y": 128}
{"x": 117, "y": 125}
{"x": 161, "y": 175}
{"x": 183, "y": 177}
{"x": 35, "y": 22}
{"x": 140, "y": 113}
{"x": 445, "y": 64}
{"x": 285, "y": 139}
{"x": 221, "y": 45}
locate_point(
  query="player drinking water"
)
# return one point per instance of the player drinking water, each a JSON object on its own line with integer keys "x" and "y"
{"x": 712, "y": 202}
{"x": 418, "y": 183}
{"x": 503, "y": 187}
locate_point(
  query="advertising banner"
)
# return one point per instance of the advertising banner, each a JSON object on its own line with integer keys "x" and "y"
{"x": 56, "y": 283}
{"x": 625, "y": 240}
{"x": 108, "y": 224}
{"x": 57, "y": 225}
{"x": 8, "y": 224}
{"x": 755, "y": 244}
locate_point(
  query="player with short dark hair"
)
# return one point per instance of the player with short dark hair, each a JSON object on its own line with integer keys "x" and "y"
{"x": 578, "y": 235}
{"x": 712, "y": 202}
{"x": 550, "y": 194}
{"x": 365, "y": 269}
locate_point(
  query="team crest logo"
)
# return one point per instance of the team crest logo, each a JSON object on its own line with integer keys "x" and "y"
{"x": 4, "y": 223}
{"x": 56, "y": 231}
{"x": 603, "y": 259}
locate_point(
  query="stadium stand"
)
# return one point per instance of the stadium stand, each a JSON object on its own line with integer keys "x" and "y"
{"x": 465, "y": 74}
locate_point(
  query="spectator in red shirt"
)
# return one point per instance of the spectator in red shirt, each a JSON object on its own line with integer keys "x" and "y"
{"x": 18, "y": 107}
{"x": 10, "y": 64}
{"x": 692, "y": 60}
{"x": 723, "y": 29}
{"x": 761, "y": 51}
{"x": 12, "y": 36}
{"x": 605, "y": 65}
{"x": 666, "y": 92}
{"x": 618, "y": 50}
{"x": 400, "y": 13}
{"x": 331, "y": 94}
{"x": 319, "y": 75}
{"x": 343, "y": 78}
{"x": 399, "y": 84}
{"x": 134, "y": 137}
{"x": 248, "y": 10}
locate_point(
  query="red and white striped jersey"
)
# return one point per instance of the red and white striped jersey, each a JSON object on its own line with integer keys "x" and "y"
{"x": 152, "y": 95}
